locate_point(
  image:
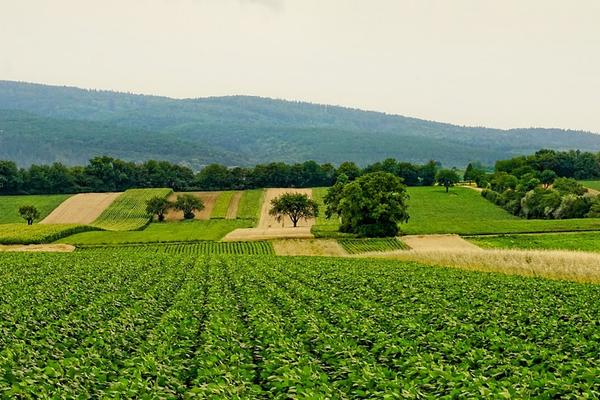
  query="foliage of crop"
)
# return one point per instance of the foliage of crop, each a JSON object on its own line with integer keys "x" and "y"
{"x": 582, "y": 241}
{"x": 250, "y": 204}
{"x": 37, "y": 233}
{"x": 9, "y": 206}
{"x": 464, "y": 211}
{"x": 357, "y": 246}
{"x": 222, "y": 205}
{"x": 184, "y": 231}
{"x": 128, "y": 211}
{"x": 102, "y": 324}
{"x": 198, "y": 248}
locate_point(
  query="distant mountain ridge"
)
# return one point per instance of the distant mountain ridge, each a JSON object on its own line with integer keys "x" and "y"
{"x": 42, "y": 124}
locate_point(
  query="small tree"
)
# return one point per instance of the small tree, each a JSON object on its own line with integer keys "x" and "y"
{"x": 29, "y": 213}
{"x": 447, "y": 178}
{"x": 158, "y": 206}
{"x": 547, "y": 177}
{"x": 297, "y": 206}
{"x": 188, "y": 203}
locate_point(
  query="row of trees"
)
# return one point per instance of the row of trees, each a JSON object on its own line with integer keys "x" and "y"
{"x": 186, "y": 203}
{"x": 107, "y": 174}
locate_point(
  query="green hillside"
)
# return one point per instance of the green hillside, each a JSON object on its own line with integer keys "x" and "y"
{"x": 70, "y": 125}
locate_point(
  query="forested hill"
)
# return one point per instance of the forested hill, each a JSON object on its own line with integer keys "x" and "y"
{"x": 42, "y": 124}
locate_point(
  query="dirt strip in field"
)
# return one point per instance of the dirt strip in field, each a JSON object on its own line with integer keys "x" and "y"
{"x": 234, "y": 204}
{"x": 208, "y": 198}
{"x": 308, "y": 247}
{"x": 82, "y": 208}
{"x": 438, "y": 242}
{"x": 50, "y": 248}
{"x": 269, "y": 228}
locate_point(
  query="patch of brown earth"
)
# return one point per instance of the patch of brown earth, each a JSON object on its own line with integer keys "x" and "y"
{"x": 82, "y": 208}
{"x": 50, "y": 248}
{"x": 438, "y": 242}
{"x": 308, "y": 247}
{"x": 208, "y": 198}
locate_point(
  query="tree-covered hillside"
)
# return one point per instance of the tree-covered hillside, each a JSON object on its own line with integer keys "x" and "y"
{"x": 71, "y": 125}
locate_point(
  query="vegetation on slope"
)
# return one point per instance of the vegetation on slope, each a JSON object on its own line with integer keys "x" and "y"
{"x": 358, "y": 246}
{"x": 9, "y": 206}
{"x": 191, "y": 248}
{"x": 250, "y": 204}
{"x": 464, "y": 211}
{"x": 243, "y": 131}
{"x": 37, "y": 233}
{"x": 128, "y": 211}
{"x": 189, "y": 231}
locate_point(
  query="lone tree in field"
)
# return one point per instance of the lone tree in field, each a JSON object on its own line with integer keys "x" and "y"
{"x": 372, "y": 206}
{"x": 297, "y": 206}
{"x": 29, "y": 213}
{"x": 188, "y": 203}
{"x": 158, "y": 206}
{"x": 447, "y": 178}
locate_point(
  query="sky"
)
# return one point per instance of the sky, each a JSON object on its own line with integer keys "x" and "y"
{"x": 502, "y": 63}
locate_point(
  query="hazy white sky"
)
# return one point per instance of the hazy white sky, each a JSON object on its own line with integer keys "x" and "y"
{"x": 502, "y": 63}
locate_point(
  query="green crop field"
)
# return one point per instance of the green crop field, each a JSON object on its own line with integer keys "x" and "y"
{"x": 128, "y": 211}
{"x": 595, "y": 185}
{"x": 100, "y": 324}
{"x": 465, "y": 211}
{"x": 9, "y": 206}
{"x": 184, "y": 231}
{"x": 37, "y": 233}
{"x": 582, "y": 241}
{"x": 222, "y": 205}
{"x": 197, "y": 248}
{"x": 357, "y": 246}
{"x": 250, "y": 204}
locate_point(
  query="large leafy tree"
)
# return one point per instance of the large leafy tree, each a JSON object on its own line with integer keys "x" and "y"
{"x": 373, "y": 205}
{"x": 447, "y": 178}
{"x": 158, "y": 206}
{"x": 29, "y": 214}
{"x": 188, "y": 203}
{"x": 296, "y": 206}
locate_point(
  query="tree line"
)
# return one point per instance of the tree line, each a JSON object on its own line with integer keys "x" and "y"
{"x": 107, "y": 174}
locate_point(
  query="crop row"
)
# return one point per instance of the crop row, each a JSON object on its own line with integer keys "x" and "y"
{"x": 38, "y": 233}
{"x": 357, "y": 246}
{"x": 128, "y": 211}
{"x": 196, "y": 248}
{"x": 116, "y": 324}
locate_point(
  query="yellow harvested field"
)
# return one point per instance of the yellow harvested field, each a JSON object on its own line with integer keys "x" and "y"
{"x": 564, "y": 265}
{"x": 82, "y": 208}
{"x": 234, "y": 204}
{"x": 437, "y": 242}
{"x": 208, "y": 198}
{"x": 50, "y": 248}
{"x": 308, "y": 247}
{"x": 269, "y": 228}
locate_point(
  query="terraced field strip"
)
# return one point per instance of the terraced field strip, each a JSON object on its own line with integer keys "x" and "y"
{"x": 222, "y": 205}
{"x": 111, "y": 324}
{"x": 128, "y": 211}
{"x": 234, "y": 204}
{"x": 358, "y": 246}
{"x": 208, "y": 198}
{"x": 9, "y": 205}
{"x": 83, "y": 208}
{"x": 269, "y": 228}
{"x": 38, "y": 233}
{"x": 47, "y": 248}
{"x": 198, "y": 248}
